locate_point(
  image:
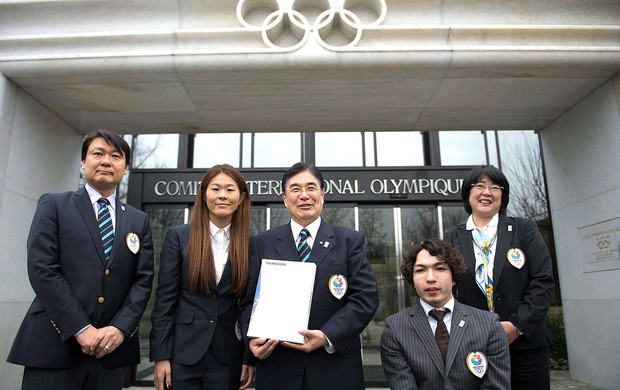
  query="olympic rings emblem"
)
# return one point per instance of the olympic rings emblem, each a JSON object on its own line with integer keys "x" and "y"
{"x": 335, "y": 24}
{"x": 603, "y": 242}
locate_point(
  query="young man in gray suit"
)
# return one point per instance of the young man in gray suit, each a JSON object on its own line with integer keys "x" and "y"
{"x": 439, "y": 343}
{"x": 90, "y": 264}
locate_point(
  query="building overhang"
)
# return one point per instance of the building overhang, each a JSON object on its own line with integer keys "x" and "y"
{"x": 312, "y": 65}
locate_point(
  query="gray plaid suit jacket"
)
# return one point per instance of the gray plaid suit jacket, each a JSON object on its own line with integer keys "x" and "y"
{"x": 411, "y": 358}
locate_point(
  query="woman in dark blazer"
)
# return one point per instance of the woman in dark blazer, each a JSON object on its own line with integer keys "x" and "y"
{"x": 195, "y": 337}
{"x": 517, "y": 280}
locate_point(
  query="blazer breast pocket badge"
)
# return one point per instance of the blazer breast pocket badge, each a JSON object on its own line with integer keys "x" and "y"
{"x": 133, "y": 242}
{"x": 477, "y": 363}
{"x": 516, "y": 257}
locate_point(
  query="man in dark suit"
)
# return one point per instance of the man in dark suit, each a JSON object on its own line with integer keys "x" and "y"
{"x": 508, "y": 259}
{"x": 91, "y": 287}
{"x": 439, "y": 343}
{"x": 330, "y": 357}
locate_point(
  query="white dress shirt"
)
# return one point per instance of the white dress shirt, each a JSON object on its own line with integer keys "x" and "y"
{"x": 220, "y": 239}
{"x": 447, "y": 319}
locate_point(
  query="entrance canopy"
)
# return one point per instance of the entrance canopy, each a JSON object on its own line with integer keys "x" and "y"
{"x": 192, "y": 66}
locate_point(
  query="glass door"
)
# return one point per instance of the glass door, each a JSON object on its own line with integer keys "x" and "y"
{"x": 161, "y": 219}
{"x": 378, "y": 223}
{"x": 390, "y": 231}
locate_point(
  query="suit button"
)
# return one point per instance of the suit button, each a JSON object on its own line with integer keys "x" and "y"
{"x": 107, "y": 272}
{"x": 100, "y": 299}
{"x": 211, "y": 321}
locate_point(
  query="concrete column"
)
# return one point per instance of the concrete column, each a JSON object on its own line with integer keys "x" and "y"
{"x": 583, "y": 169}
{"x": 38, "y": 153}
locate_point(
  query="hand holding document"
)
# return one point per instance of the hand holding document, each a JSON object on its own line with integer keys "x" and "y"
{"x": 283, "y": 300}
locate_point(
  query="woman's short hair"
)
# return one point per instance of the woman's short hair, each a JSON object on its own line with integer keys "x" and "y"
{"x": 475, "y": 175}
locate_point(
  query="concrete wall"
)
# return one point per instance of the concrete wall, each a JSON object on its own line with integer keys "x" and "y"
{"x": 38, "y": 153}
{"x": 583, "y": 169}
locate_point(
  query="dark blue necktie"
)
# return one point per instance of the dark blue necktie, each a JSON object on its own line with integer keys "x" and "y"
{"x": 303, "y": 248}
{"x": 106, "y": 230}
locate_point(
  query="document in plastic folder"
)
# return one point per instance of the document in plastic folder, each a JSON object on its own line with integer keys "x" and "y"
{"x": 282, "y": 301}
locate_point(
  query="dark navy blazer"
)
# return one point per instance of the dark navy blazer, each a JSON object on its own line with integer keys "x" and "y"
{"x": 74, "y": 287}
{"x": 336, "y": 250}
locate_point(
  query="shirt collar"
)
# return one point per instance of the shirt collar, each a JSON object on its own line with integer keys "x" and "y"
{"x": 313, "y": 228}
{"x": 427, "y": 308}
{"x": 214, "y": 229}
{"x": 95, "y": 196}
{"x": 470, "y": 225}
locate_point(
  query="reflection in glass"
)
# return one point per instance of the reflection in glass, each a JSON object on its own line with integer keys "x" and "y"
{"x": 273, "y": 150}
{"x": 418, "y": 223}
{"x": 211, "y": 149}
{"x": 400, "y": 148}
{"x": 339, "y": 215}
{"x": 161, "y": 220}
{"x": 453, "y": 216}
{"x": 258, "y": 220}
{"x": 338, "y": 149}
{"x": 462, "y": 148}
{"x": 522, "y": 164}
{"x": 279, "y": 216}
{"x": 377, "y": 224}
{"x": 155, "y": 151}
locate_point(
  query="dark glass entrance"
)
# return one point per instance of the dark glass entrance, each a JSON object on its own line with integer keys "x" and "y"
{"x": 390, "y": 231}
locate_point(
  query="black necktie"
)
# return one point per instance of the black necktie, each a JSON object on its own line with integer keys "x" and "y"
{"x": 106, "y": 230}
{"x": 303, "y": 248}
{"x": 441, "y": 333}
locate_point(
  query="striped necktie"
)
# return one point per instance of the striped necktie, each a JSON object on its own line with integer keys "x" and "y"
{"x": 106, "y": 230}
{"x": 303, "y": 248}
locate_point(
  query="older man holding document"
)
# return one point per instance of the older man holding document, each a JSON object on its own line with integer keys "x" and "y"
{"x": 344, "y": 297}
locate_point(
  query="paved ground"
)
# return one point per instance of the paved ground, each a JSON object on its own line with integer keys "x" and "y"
{"x": 560, "y": 380}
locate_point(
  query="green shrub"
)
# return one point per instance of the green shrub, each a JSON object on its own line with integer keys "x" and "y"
{"x": 557, "y": 351}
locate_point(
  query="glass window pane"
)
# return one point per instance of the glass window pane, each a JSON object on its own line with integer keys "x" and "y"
{"x": 522, "y": 164}
{"x": 155, "y": 151}
{"x": 462, "y": 148}
{"x": 279, "y": 216}
{"x": 338, "y": 149}
{"x": 258, "y": 220}
{"x": 418, "y": 223}
{"x": 369, "y": 145}
{"x": 161, "y": 220}
{"x": 247, "y": 150}
{"x": 276, "y": 150}
{"x": 402, "y": 148}
{"x": 212, "y": 149}
{"x": 377, "y": 224}
{"x": 453, "y": 216}
{"x": 340, "y": 215}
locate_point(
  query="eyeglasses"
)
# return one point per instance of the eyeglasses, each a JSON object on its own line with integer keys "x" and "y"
{"x": 492, "y": 187}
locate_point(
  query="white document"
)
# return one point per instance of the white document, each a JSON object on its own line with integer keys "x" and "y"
{"x": 282, "y": 300}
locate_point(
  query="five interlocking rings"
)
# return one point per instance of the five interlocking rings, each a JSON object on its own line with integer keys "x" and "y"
{"x": 603, "y": 242}
{"x": 336, "y": 24}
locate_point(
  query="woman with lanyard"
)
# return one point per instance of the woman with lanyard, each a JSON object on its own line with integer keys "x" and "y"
{"x": 510, "y": 273}
{"x": 195, "y": 338}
